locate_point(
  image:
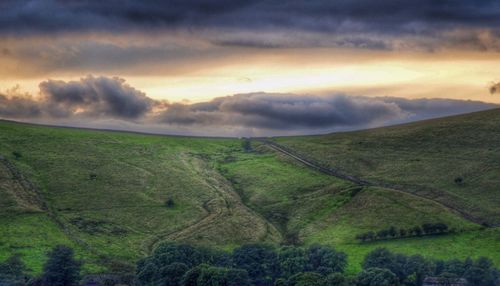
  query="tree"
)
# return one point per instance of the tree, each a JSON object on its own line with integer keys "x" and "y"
{"x": 416, "y": 268}
{"x": 392, "y": 231}
{"x": 336, "y": 279}
{"x": 146, "y": 272}
{"x": 379, "y": 258}
{"x": 325, "y": 260}
{"x": 292, "y": 260}
{"x": 246, "y": 145}
{"x": 171, "y": 275}
{"x": 190, "y": 278}
{"x": 481, "y": 273}
{"x": 306, "y": 279}
{"x": 377, "y": 277}
{"x": 61, "y": 269}
{"x": 260, "y": 261}
{"x": 168, "y": 253}
{"x": 455, "y": 267}
{"x": 219, "y": 276}
{"x": 417, "y": 231}
{"x": 383, "y": 258}
{"x": 383, "y": 233}
{"x": 402, "y": 232}
{"x": 12, "y": 270}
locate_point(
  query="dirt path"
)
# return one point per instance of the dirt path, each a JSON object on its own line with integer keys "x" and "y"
{"x": 227, "y": 217}
{"x": 333, "y": 172}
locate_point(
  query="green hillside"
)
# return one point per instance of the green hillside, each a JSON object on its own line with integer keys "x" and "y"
{"x": 114, "y": 196}
{"x": 454, "y": 160}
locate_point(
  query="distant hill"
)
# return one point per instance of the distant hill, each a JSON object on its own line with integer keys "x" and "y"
{"x": 114, "y": 195}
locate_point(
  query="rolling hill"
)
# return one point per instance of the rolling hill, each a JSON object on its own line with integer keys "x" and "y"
{"x": 113, "y": 196}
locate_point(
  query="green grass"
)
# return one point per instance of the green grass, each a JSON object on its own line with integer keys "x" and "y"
{"x": 108, "y": 189}
{"x": 423, "y": 157}
{"x": 32, "y": 235}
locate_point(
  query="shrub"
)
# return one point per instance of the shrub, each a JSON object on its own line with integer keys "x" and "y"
{"x": 17, "y": 155}
{"x": 169, "y": 203}
{"x": 246, "y": 145}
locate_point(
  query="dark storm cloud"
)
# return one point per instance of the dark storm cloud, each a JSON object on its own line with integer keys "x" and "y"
{"x": 389, "y": 18}
{"x": 111, "y": 103}
{"x": 89, "y": 97}
{"x": 96, "y": 96}
{"x": 289, "y": 111}
{"x": 283, "y": 111}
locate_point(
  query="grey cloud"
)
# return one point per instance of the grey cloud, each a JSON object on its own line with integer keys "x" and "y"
{"x": 19, "y": 106}
{"x": 309, "y": 114}
{"x": 89, "y": 97}
{"x": 349, "y": 22}
{"x": 96, "y": 96}
{"x": 103, "y": 102}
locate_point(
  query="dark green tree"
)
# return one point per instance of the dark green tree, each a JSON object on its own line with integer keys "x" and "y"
{"x": 61, "y": 268}
{"x": 306, "y": 279}
{"x": 190, "y": 278}
{"x": 416, "y": 269}
{"x": 12, "y": 271}
{"x": 481, "y": 273}
{"x": 377, "y": 277}
{"x": 171, "y": 275}
{"x": 336, "y": 279}
{"x": 246, "y": 145}
{"x": 292, "y": 260}
{"x": 260, "y": 261}
{"x": 383, "y": 258}
{"x": 220, "y": 276}
{"x": 325, "y": 260}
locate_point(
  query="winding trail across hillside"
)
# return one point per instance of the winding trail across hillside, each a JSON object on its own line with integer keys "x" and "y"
{"x": 336, "y": 173}
{"x": 226, "y": 216}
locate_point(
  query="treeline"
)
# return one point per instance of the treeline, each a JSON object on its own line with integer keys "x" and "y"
{"x": 393, "y": 232}
{"x": 174, "y": 264}
{"x": 252, "y": 264}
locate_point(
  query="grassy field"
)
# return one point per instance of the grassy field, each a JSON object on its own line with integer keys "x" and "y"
{"x": 424, "y": 157}
{"x": 104, "y": 193}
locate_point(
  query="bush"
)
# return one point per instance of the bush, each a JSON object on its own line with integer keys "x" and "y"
{"x": 17, "y": 155}
{"x": 246, "y": 145}
{"x": 169, "y": 203}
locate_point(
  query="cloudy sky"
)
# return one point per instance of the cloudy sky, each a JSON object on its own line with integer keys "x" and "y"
{"x": 231, "y": 67}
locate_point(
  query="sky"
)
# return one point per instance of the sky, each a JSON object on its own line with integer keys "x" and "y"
{"x": 246, "y": 68}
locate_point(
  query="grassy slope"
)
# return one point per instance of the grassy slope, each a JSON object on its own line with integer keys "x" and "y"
{"x": 424, "y": 157}
{"x": 330, "y": 211}
{"x": 121, "y": 212}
